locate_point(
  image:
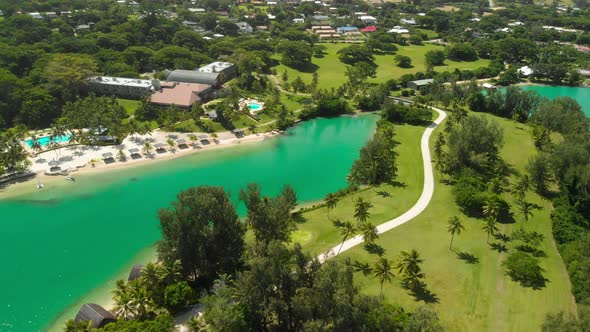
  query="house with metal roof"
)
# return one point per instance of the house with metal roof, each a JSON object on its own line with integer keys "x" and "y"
{"x": 416, "y": 85}
{"x": 131, "y": 88}
{"x": 96, "y": 314}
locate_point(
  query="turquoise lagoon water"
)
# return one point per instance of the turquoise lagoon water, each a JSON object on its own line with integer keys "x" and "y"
{"x": 59, "y": 244}
{"x": 582, "y": 95}
{"x": 46, "y": 140}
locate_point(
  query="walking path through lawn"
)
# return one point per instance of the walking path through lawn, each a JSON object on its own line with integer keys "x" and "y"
{"x": 420, "y": 205}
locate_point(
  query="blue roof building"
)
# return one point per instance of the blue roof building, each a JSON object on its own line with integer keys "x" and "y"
{"x": 346, "y": 29}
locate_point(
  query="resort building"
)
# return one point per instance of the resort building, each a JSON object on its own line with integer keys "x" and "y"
{"x": 416, "y": 85}
{"x": 215, "y": 74}
{"x": 408, "y": 21}
{"x": 131, "y": 88}
{"x": 182, "y": 95}
{"x": 244, "y": 27}
{"x": 399, "y": 30}
{"x": 96, "y": 314}
{"x": 347, "y": 29}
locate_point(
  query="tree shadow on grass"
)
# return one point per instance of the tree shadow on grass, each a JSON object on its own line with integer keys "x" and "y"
{"x": 299, "y": 218}
{"x": 398, "y": 184}
{"x": 424, "y": 294}
{"x": 467, "y": 257}
{"x": 308, "y": 68}
{"x": 383, "y": 193}
{"x": 499, "y": 247}
{"x": 375, "y": 249}
{"x": 502, "y": 237}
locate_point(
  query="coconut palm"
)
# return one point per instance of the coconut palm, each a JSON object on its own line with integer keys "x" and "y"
{"x": 455, "y": 226}
{"x": 252, "y": 128}
{"x": 147, "y": 147}
{"x": 124, "y": 307}
{"x": 347, "y": 229}
{"x": 140, "y": 300}
{"x": 78, "y": 326}
{"x": 491, "y": 209}
{"x": 331, "y": 201}
{"x": 150, "y": 275}
{"x": 413, "y": 279}
{"x": 369, "y": 232}
{"x": 35, "y": 145}
{"x": 170, "y": 272}
{"x": 522, "y": 186}
{"x": 171, "y": 143}
{"x": 526, "y": 209}
{"x": 409, "y": 262}
{"x": 122, "y": 155}
{"x": 383, "y": 271}
{"x": 490, "y": 228}
{"x": 361, "y": 210}
{"x": 193, "y": 138}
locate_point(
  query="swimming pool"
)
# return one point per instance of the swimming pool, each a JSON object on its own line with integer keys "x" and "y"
{"x": 254, "y": 106}
{"x": 46, "y": 140}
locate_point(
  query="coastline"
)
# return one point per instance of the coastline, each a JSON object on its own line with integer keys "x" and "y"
{"x": 28, "y": 186}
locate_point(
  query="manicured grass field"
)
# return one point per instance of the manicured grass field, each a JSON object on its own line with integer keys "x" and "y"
{"x": 129, "y": 105}
{"x": 332, "y": 72}
{"x": 470, "y": 296}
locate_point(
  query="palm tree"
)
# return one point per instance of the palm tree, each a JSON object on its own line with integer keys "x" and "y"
{"x": 347, "y": 229}
{"x": 490, "y": 228}
{"x": 252, "y": 128}
{"x": 35, "y": 145}
{"x": 170, "y": 272}
{"x": 526, "y": 209}
{"x": 331, "y": 201}
{"x": 369, "y": 232}
{"x": 79, "y": 326}
{"x": 383, "y": 271}
{"x": 150, "y": 276}
{"x": 193, "y": 138}
{"x": 140, "y": 300}
{"x": 409, "y": 262}
{"x": 413, "y": 279}
{"x": 171, "y": 143}
{"x": 122, "y": 155}
{"x": 361, "y": 210}
{"x": 455, "y": 226}
{"x": 147, "y": 147}
{"x": 123, "y": 304}
{"x": 491, "y": 209}
{"x": 522, "y": 186}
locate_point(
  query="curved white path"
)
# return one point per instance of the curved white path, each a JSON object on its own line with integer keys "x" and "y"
{"x": 420, "y": 205}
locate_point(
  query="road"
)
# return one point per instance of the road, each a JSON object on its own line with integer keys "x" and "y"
{"x": 415, "y": 210}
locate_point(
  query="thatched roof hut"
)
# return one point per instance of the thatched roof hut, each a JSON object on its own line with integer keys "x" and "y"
{"x": 135, "y": 272}
{"x": 98, "y": 315}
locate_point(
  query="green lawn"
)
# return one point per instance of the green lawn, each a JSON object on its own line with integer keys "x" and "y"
{"x": 129, "y": 105}
{"x": 332, "y": 72}
{"x": 471, "y": 297}
{"x": 318, "y": 234}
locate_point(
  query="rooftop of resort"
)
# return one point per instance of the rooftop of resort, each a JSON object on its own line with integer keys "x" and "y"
{"x": 98, "y": 315}
{"x": 179, "y": 94}
{"x": 215, "y": 67}
{"x": 123, "y": 81}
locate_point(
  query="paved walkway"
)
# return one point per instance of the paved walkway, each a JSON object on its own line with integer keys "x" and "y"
{"x": 420, "y": 205}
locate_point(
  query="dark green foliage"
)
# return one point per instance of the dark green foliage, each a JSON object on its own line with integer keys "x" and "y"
{"x": 539, "y": 168}
{"x": 269, "y": 218}
{"x": 403, "y": 61}
{"x": 97, "y": 114}
{"x": 296, "y": 54}
{"x": 435, "y": 58}
{"x": 462, "y": 52}
{"x": 162, "y": 323}
{"x": 406, "y": 114}
{"x": 471, "y": 195}
{"x": 563, "y": 115}
{"x": 525, "y": 269}
{"x": 377, "y": 160}
{"x": 510, "y": 76}
{"x": 382, "y": 41}
{"x": 355, "y": 53}
{"x": 202, "y": 230}
{"x": 178, "y": 295}
{"x": 328, "y": 104}
{"x": 474, "y": 143}
{"x": 424, "y": 319}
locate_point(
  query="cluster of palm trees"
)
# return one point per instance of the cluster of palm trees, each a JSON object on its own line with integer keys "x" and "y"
{"x": 408, "y": 265}
{"x": 361, "y": 214}
{"x": 139, "y": 298}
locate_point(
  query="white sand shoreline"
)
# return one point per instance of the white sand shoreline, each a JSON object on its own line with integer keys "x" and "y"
{"x": 77, "y": 160}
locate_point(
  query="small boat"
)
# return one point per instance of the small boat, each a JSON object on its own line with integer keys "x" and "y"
{"x": 39, "y": 184}
{"x": 70, "y": 178}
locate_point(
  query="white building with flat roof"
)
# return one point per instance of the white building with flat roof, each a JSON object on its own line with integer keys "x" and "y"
{"x": 122, "y": 87}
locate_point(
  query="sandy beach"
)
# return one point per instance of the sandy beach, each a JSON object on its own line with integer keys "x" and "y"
{"x": 75, "y": 160}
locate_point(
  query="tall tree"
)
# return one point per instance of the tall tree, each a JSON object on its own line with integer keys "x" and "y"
{"x": 369, "y": 232}
{"x": 455, "y": 226}
{"x": 67, "y": 75}
{"x": 347, "y": 230}
{"x": 331, "y": 201}
{"x": 490, "y": 228}
{"x": 361, "y": 210}
{"x": 201, "y": 229}
{"x": 383, "y": 270}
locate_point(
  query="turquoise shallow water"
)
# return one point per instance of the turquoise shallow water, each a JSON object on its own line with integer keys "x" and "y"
{"x": 582, "y": 95}
{"x": 58, "y": 244}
